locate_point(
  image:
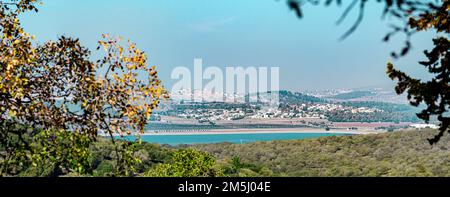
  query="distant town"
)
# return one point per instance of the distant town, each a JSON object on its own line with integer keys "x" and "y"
{"x": 374, "y": 109}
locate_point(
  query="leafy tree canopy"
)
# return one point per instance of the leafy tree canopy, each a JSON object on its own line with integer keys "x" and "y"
{"x": 417, "y": 15}
{"x": 53, "y": 91}
{"x": 187, "y": 163}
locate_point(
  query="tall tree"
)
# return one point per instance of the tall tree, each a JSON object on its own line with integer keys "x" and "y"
{"x": 417, "y": 15}
{"x": 53, "y": 103}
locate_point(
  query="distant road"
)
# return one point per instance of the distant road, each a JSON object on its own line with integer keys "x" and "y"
{"x": 265, "y": 130}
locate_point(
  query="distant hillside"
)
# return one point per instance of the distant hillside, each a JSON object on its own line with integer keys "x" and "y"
{"x": 296, "y": 97}
{"x": 352, "y": 95}
{"x": 391, "y": 112}
{"x": 389, "y": 107}
{"x": 367, "y": 94}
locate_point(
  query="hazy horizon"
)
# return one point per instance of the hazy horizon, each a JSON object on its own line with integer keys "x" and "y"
{"x": 240, "y": 33}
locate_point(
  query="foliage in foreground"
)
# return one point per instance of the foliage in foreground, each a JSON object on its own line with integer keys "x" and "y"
{"x": 65, "y": 100}
{"x": 403, "y": 153}
{"x": 417, "y": 16}
{"x": 187, "y": 163}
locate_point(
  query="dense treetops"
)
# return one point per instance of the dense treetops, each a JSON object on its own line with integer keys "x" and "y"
{"x": 53, "y": 104}
{"x": 435, "y": 93}
{"x": 400, "y": 153}
{"x": 416, "y": 15}
{"x": 41, "y": 83}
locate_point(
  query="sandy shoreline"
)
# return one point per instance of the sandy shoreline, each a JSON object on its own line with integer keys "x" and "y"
{"x": 262, "y": 131}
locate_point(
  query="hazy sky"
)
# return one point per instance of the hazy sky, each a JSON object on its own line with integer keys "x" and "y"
{"x": 238, "y": 33}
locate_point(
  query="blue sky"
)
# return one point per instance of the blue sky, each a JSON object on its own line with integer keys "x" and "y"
{"x": 238, "y": 33}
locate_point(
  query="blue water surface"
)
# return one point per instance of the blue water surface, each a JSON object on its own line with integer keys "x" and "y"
{"x": 232, "y": 138}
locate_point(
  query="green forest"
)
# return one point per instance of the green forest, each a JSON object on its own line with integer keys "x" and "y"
{"x": 43, "y": 134}
{"x": 400, "y": 153}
